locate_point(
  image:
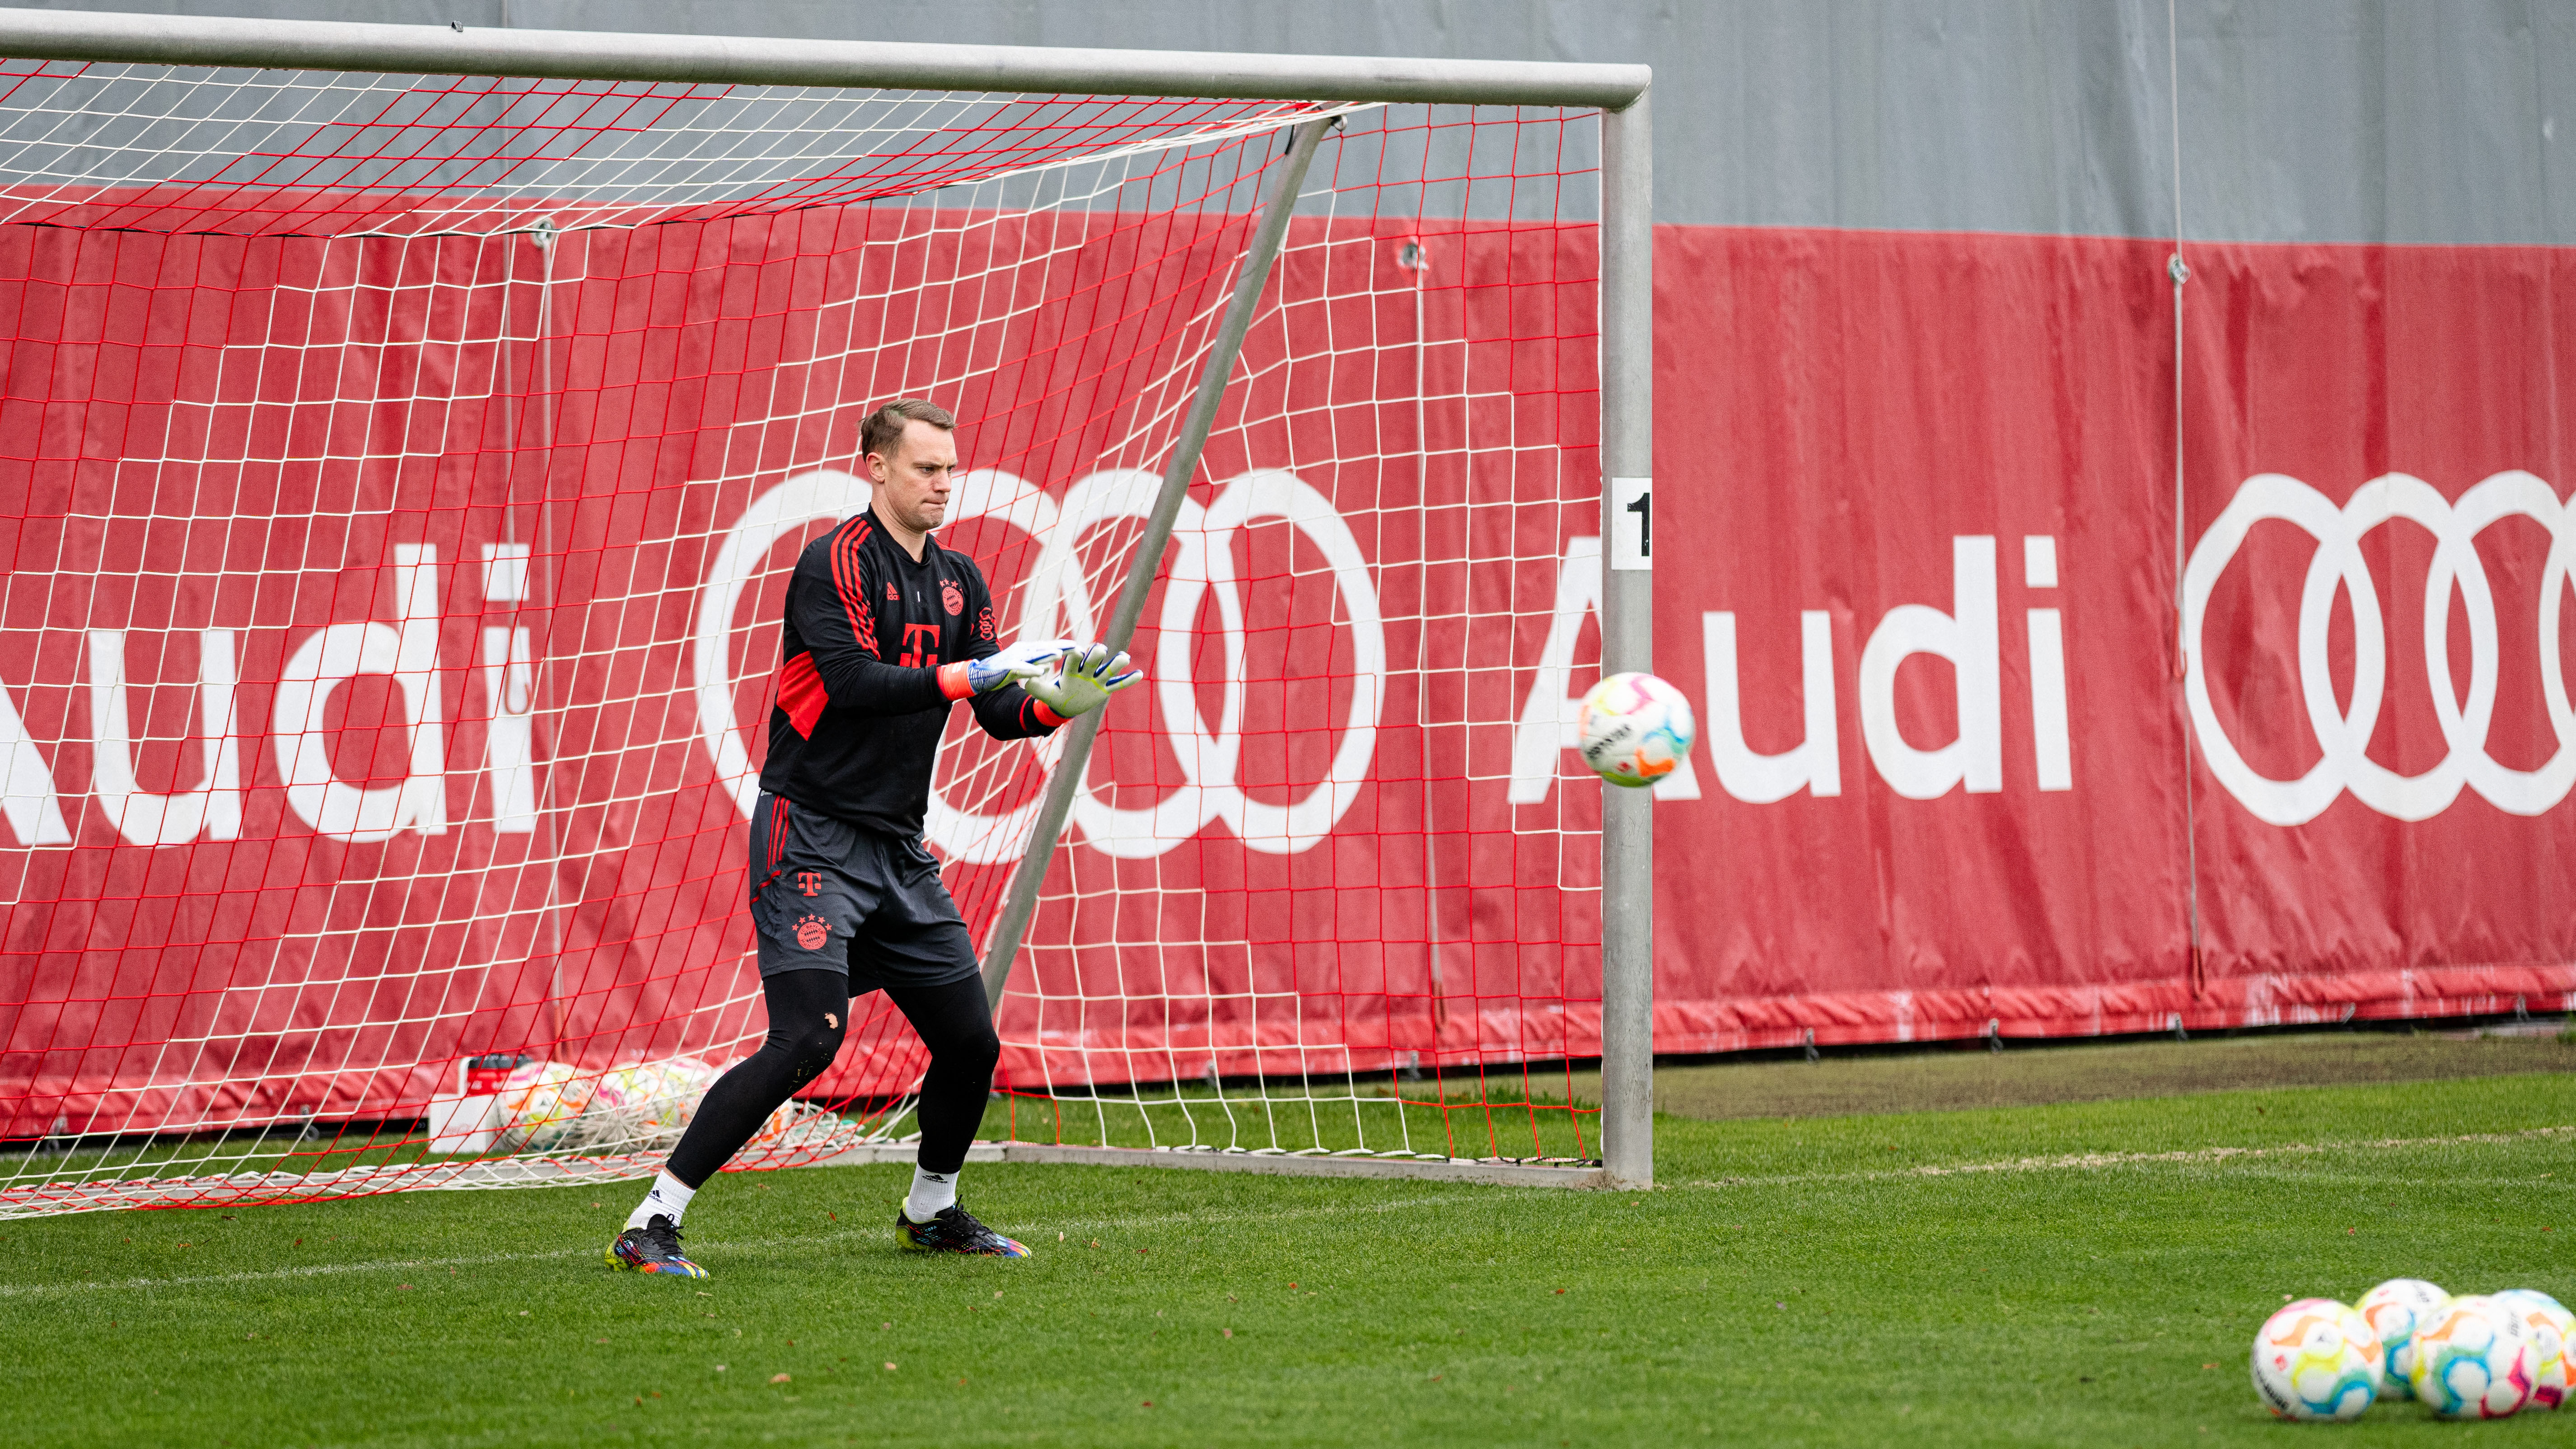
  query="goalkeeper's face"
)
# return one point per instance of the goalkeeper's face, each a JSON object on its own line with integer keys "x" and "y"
{"x": 912, "y": 484}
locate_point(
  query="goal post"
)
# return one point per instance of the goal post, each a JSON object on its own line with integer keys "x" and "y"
{"x": 414, "y": 423}
{"x": 1627, "y": 638}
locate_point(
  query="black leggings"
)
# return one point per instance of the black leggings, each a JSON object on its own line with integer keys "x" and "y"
{"x": 809, "y": 1013}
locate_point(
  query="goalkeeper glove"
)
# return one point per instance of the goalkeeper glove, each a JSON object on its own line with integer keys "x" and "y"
{"x": 1088, "y": 675}
{"x": 1024, "y": 660}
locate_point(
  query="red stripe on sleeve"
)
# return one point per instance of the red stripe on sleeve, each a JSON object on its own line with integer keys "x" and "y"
{"x": 801, "y": 693}
{"x": 849, "y": 582}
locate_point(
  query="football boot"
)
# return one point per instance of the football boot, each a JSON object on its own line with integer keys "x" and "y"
{"x": 954, "y": 1230}
{"x": 653, "y": 1248}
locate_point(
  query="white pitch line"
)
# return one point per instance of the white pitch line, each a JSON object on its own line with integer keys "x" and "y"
{"x": 310, "y": 1270}
{"x": 2095, "y": 1161}
{"x": 752, "y": 1247}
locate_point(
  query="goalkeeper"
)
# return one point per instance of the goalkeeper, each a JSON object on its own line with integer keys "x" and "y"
{"x": 884, "y": 630}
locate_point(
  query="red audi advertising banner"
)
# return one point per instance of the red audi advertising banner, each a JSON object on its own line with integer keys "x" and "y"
{"x": 2005, "y": 742}
{"x": 387, "y": 634}
{"x": 390, "y": 625}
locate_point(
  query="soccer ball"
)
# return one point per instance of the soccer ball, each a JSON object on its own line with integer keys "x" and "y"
{"x": 2553, "y": 1338}
{"x": 540, "y": 1105}
{"x": 646, "y": 1103}
{"x": 2316, "y": 1359}
{"x": 1633, "y": 729}
{"x": 794, "y": 1127}
{"x": 2395, "y": 1309}
{"x": 2473, "y": 1360}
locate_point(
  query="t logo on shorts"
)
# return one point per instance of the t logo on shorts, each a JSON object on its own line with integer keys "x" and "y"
{"x": 809, "y": 882}
{"x": 812, "y": 932}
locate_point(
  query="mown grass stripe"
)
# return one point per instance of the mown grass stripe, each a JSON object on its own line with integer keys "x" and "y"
{"x": 2095, "y": 1161}
{"x": 801, "y": 1242}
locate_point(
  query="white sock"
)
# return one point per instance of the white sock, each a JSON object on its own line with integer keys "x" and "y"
{"x": 668, "y": 1199}
{"x": 932, "y": 1194}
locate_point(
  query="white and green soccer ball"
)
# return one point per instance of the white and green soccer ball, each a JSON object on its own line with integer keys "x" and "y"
{"x": 2474, "y": 1359}
{"x": 2317, "y": 1359}
{"x": 2553, "y": 1338}
{"x": 2395, "y": 1309}
{"x": 541, "y": 1106}
{"x": 645, "y": 1104}
{"x": 1634, "y": 729}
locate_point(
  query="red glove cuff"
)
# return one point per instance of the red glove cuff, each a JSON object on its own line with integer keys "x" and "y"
{"x": 952, "y": 681}
{"x": 1046, "y": 716}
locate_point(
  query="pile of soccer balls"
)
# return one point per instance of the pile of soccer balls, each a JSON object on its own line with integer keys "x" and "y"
{"x": 2479, "y": 1357}
{"x": 639, "y": 1107}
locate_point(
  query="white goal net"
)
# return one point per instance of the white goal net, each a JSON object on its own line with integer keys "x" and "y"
{"x": 401, "y": 475}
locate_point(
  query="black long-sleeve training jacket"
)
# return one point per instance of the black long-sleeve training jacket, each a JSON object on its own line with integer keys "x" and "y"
{"x": 873, "y": 650}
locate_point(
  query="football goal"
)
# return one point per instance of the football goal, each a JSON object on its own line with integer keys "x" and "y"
{"x": 408, "y": 434}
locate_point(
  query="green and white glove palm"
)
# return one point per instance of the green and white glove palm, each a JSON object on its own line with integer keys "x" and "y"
{"x": 1083, "y": 680}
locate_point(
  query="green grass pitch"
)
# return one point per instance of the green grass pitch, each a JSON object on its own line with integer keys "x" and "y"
{"x": 2095, "y": 1278}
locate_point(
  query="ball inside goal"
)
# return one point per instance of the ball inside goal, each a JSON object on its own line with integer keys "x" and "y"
{"x": 1634, "y": 729}
{"x": 540, "y": 1105}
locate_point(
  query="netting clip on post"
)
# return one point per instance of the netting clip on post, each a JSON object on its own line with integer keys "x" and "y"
{"x": 1020, "y": 903}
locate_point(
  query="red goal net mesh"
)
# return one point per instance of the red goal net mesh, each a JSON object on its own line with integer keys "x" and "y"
{"x": 401, "y": 476}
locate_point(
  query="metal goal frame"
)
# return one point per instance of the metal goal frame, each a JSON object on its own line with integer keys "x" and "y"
{"x": 1619, "y": 92}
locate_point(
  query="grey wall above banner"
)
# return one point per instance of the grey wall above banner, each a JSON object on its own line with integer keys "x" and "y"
{"x": 2300, "y": 120}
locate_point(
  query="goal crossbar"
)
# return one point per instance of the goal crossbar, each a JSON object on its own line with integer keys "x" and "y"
{"x": 1618, "y": 92}
{"x": 218, "y": 41}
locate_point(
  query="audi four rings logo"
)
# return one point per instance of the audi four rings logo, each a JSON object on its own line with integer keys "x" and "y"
{"x": 1055, "y": 600}
{"x": 2344, "y": 734}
